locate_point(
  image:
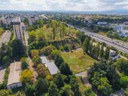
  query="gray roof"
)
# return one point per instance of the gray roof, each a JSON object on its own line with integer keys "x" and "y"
{"x": 52, "y": 67}
{"x": 2, "y": 73}
{"x": 14, "y": 75}
{"x": 44, "y": 59}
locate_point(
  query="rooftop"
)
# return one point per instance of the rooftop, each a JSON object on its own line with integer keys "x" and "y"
{"x": 2, "y": 73}
{"x": 14, "y": 75}
{"x": 52, "y": 67}
{"x": 44, "y": 59}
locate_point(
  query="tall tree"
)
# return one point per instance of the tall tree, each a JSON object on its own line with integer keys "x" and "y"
{"x": 74, "y": 86}
{"x": 18, "y": 49}
{"x": 59, "y": 81}
{"x": 29, "y": 90}
{"x": 64, "y": 69}
{"x": 53, "y": 90}
{"x": 41, "y": 86}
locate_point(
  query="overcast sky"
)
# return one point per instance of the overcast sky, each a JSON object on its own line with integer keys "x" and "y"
{"x": 64, "y": 5}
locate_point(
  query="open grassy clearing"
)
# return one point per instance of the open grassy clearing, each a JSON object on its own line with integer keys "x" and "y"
{"x": 102, "y": 33}
{"x": 77, "y": 61}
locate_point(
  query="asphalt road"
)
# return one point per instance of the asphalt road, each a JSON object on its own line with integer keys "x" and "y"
{"x": 119, "y": 45}
{"x": 5, "y": 37}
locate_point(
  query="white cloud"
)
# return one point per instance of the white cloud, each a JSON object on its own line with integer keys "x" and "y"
{"x": 64, "y": 5}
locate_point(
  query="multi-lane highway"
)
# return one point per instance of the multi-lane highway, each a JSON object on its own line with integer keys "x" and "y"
{"x": 119, "y": 45}
{"x": 5, "y": 37}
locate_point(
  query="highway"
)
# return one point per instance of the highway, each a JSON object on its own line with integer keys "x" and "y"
{"x": 5, "y": 37}
{"x": 119, "y": 45}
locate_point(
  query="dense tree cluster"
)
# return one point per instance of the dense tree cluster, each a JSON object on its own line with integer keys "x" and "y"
{"x": 5, "y": 55}
{"x": 104, "y": 78}
{"x": 51, "y": 32}
{"x": 95, "y": 49}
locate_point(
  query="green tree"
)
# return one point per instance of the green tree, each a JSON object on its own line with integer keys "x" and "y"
{"x": 106, "y": 54}
{"x": 41, "y": 86}
{"x": 29, "y": 90}
{"x": 64, "y": 69}
{"x": 124, "y": 81}
{"x": 59, "y": 81}
{"x": 86, "y": 44}
{"x": 41, "y": 70}
{"x": 74, "y": 86}
{"x": 18, "y": 49}
{"x": 88, "y": 92}
{"x": 122, "y": 66}
{"x": 5, "y": 92}
{"x": 53, "y": 90}
{"x": 36, "y": 61}
{"x": 5, "y": 54}
{"x": 66, "y": 91}
{"x": 26, "y": 76}
{"x": 105, "y": 88}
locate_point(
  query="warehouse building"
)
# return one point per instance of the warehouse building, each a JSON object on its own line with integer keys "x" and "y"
{"x": 50, "y": 64}
{"x": 14, "y": 76}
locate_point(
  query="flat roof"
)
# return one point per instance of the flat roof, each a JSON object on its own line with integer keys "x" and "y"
{"x": 2, "y": 73}
{"x": 52, "y": 67}
{"x": 14, "y": 75}
{"x": 44, "y": 59}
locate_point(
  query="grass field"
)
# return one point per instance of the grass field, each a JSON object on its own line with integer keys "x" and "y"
{"x": 77, "y": 61}
{"x": 102, "y": 33}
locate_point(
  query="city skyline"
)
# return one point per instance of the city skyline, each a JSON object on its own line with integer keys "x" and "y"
{"x": 65, "y": 5}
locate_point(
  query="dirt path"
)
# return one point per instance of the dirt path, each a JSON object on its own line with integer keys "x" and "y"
{"x": 84, "y": 76}
{"x": 33, "y": 69}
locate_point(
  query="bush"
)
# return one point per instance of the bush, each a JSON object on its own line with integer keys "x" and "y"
{"x": 66, "y": 48}
{"x": 49, "y": 77}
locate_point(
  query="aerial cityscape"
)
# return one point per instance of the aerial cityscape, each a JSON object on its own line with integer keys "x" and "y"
{"x": 64, "y": 48}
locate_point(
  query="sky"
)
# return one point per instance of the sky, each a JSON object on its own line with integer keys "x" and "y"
{"x": 64, "y": 5}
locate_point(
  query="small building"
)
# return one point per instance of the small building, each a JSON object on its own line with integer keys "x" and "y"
{"x": 14, "y": 76}
{"x": 102, "y": 23}
{"x": 113, "y": 55}
{"x": 52, "y": 67}
{"x": 50, "y": 64}
{"x": 2, "y": 73}
{"x": 31, "y": 20}
{"x": 44, "y": 59}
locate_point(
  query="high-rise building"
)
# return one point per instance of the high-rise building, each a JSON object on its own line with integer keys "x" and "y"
{"x": 31, "y": 20}
{"x": 17, "y": 28}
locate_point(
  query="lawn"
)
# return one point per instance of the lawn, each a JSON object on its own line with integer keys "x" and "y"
{"x": 102, "y": 33}
{"x": 77, "y": 61}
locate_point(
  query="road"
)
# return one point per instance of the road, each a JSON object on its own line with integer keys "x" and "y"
{"x": 119, "y": 45}
{"x": 5, "y": 37}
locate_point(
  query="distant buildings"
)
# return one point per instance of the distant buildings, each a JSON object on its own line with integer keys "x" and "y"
{"x": 7, "y": 20}
{"x": 14, "y": 76}
{"x": 102, "y": 23}
{"x": 31, "y": 20}
{"x": 50, "y": 65}
{"x": 122, "y": 30}
{"x": 17, "y": 28}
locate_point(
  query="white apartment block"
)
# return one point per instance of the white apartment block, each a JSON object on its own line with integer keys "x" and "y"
{"x": 17, "y": 28}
